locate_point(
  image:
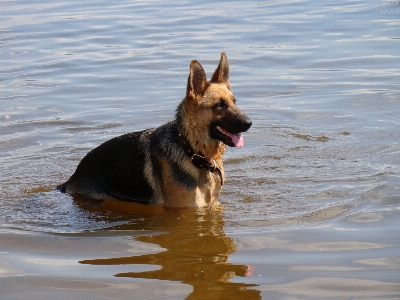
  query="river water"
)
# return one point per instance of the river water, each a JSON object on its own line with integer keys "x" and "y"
{"x": 311, "y": 204}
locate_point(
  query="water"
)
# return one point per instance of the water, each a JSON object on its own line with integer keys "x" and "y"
{"x": 311, "y": 203}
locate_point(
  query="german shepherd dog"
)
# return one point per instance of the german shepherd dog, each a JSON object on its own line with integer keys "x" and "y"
{"x": 177, "y": 164}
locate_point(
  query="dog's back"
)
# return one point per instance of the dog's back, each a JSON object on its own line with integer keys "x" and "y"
{"x": 114, "y": 169}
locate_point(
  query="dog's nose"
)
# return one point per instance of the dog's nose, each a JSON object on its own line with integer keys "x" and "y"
{"x": 246, "y": 123}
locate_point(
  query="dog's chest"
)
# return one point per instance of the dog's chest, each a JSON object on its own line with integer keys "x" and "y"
{"x": 208, "y": 190}
{"x": 205, "y": 192}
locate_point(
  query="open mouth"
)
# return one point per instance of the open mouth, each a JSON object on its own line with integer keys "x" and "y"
{"x": 230, "y": 139}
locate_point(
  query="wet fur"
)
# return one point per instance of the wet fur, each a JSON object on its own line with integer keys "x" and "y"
{"x": 150, "y": 166}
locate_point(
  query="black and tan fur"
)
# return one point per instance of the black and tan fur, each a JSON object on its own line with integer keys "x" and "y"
{"x": 151, "y": 165}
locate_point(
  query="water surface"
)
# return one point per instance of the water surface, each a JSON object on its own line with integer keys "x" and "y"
{"x": 311, "y": 203}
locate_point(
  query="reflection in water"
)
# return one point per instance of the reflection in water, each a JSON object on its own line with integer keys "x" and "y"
{"x": 196, "y": 248}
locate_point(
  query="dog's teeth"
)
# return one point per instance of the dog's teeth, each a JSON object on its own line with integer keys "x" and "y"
{"x": 223, "y": 131}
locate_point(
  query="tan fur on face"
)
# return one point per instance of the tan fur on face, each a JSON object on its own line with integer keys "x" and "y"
{"x": 198, "y": 116}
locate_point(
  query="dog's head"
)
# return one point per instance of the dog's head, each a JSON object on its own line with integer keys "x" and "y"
{"x": 213, "y": 104}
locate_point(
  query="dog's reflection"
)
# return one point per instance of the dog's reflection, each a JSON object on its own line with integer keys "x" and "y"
{"x": 196, "y": 248}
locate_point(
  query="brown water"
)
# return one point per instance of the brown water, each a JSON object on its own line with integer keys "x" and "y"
{"x": 311, "y": 206}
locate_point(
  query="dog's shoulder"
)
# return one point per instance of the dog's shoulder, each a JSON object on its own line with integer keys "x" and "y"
{"x": 164, "y": 140}
{"x": 165, "y": 152}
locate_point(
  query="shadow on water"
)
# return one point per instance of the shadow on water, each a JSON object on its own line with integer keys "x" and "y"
{"x": 195, "y": 248}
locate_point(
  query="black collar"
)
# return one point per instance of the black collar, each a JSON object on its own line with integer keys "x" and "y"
{"x": 198, "y": 159}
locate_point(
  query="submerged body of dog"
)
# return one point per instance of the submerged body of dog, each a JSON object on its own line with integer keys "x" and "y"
{"x": 177, "y": 164}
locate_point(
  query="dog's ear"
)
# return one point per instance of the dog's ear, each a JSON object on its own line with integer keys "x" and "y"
{"x": 197, "y": 80}
{"x": 221, "y": 74}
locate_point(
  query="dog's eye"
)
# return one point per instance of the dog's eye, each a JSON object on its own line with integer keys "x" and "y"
{"x": 221, "y": 104}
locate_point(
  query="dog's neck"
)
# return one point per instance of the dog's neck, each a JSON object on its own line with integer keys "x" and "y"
{"x": 198, "y": 159}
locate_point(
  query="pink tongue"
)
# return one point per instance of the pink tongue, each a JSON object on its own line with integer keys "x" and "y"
{"x": 237, "y": 139}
